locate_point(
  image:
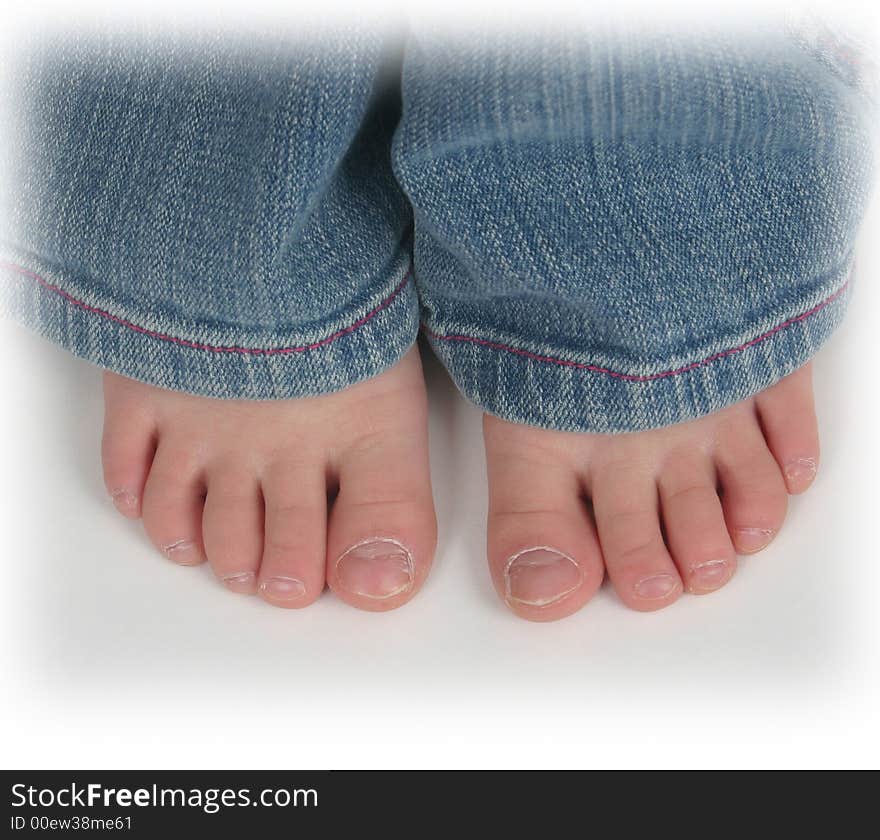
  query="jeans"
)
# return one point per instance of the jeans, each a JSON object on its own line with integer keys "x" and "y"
{"x": 211, "y": 216}
{"x": 598, "y": 233}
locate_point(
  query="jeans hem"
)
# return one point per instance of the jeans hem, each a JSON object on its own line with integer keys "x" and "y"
{"x": 358, "y": 342}
{"x": 505, "y": 377}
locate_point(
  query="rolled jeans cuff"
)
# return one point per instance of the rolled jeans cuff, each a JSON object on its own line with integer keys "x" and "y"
{"x": 605, "y": 242}
{"x": 558, "y": 388}
{"x": 214, "y": 216}
{"x": 360, "y": 341}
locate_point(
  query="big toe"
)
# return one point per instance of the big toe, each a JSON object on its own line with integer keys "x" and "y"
{"x": 543, "y": 551}
{"x": 382, "y": 530}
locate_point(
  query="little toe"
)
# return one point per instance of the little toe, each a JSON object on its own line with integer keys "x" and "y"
{"x": 788, "y": 418}
{"x": 383, "y": 529}
{"x": 172, "y": 506}
{"x": 627, "y": 516}
{"x": 233, "y": 526}
{"x": 753, "y": 493}
{"x": 127, "y": 447}
{"x": 543, "y": 551}
{"x": 696, "y": 533}
{"x": 292, "y": 571}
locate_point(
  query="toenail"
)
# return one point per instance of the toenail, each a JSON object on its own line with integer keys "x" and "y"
{"x": 125, "y": 501}
{"x": 800, "y": 470}
{"x": 283, "y": 588}
{"x": 750, "y": 540}
{"x": 656, "y": 586}
{"x": 710, "y": 575}
{"x": 540, "y": 576}
{"x": 376, "y": 568}
{"x": 183, "y": 552}
{"x": 240, "y": 581}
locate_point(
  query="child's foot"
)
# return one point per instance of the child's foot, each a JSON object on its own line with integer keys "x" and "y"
{"x": 673, "y": 507}
{"x": 244, "y": 485}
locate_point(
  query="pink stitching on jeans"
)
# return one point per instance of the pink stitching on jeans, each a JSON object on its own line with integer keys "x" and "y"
{"x": 629, "y": 377}
{"x": 195, "y": 345}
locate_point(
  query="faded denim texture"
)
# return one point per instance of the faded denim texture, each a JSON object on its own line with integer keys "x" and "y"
{"x": 617, "y": 233}
{"x": 215, "y": 216}
{"x": 610, "y": 233}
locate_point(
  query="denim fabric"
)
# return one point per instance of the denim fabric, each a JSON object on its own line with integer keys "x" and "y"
{"x": 214, "y": 215}
{"x": 611, "y": 233}
{"x": 618, "y": 233}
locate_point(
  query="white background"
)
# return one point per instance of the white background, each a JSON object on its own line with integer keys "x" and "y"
{"x": 111, "y": 656}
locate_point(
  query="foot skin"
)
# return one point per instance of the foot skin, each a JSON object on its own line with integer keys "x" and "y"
{"x": 671, "y": 508}
{"x": 244, "y": 486}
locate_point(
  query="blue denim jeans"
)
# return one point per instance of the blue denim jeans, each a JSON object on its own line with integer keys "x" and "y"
{"x": 598, "y": 233}
{"x": 214, "y": 216}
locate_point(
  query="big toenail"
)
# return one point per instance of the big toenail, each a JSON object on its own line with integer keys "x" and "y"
{"x": 750, "y": 540}
{"x": 376, "y": 568}
{"x": 540, "y": 576}
{"x": 283, "y": 588}
{"x": 711, "y": 574}
{"x": 183, "y": 552}
{"x": 800, "y": 470}
{"x": 656, "y": 586}
{"x": 125, "y": 501}
{"x": 240, "y": 581}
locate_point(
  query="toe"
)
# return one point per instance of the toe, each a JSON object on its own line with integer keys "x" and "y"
{"x": 233, "y": 526}
{"x": 292, "y": 572}
{"x": 753, "y": 493}
{"x": 127, "y": 446}
{"x": 696, "y": 533}
{"x": 788, "y": 417}
{"x": 382, "y": 531}
{"x": 543, "y": 551}
{"x": 173, "y": 504}
{"x": 627, "y": 516}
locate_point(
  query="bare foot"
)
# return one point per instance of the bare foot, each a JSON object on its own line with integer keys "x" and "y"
{"x": 672, "y": 507}
{"x": 245, "y": 486}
